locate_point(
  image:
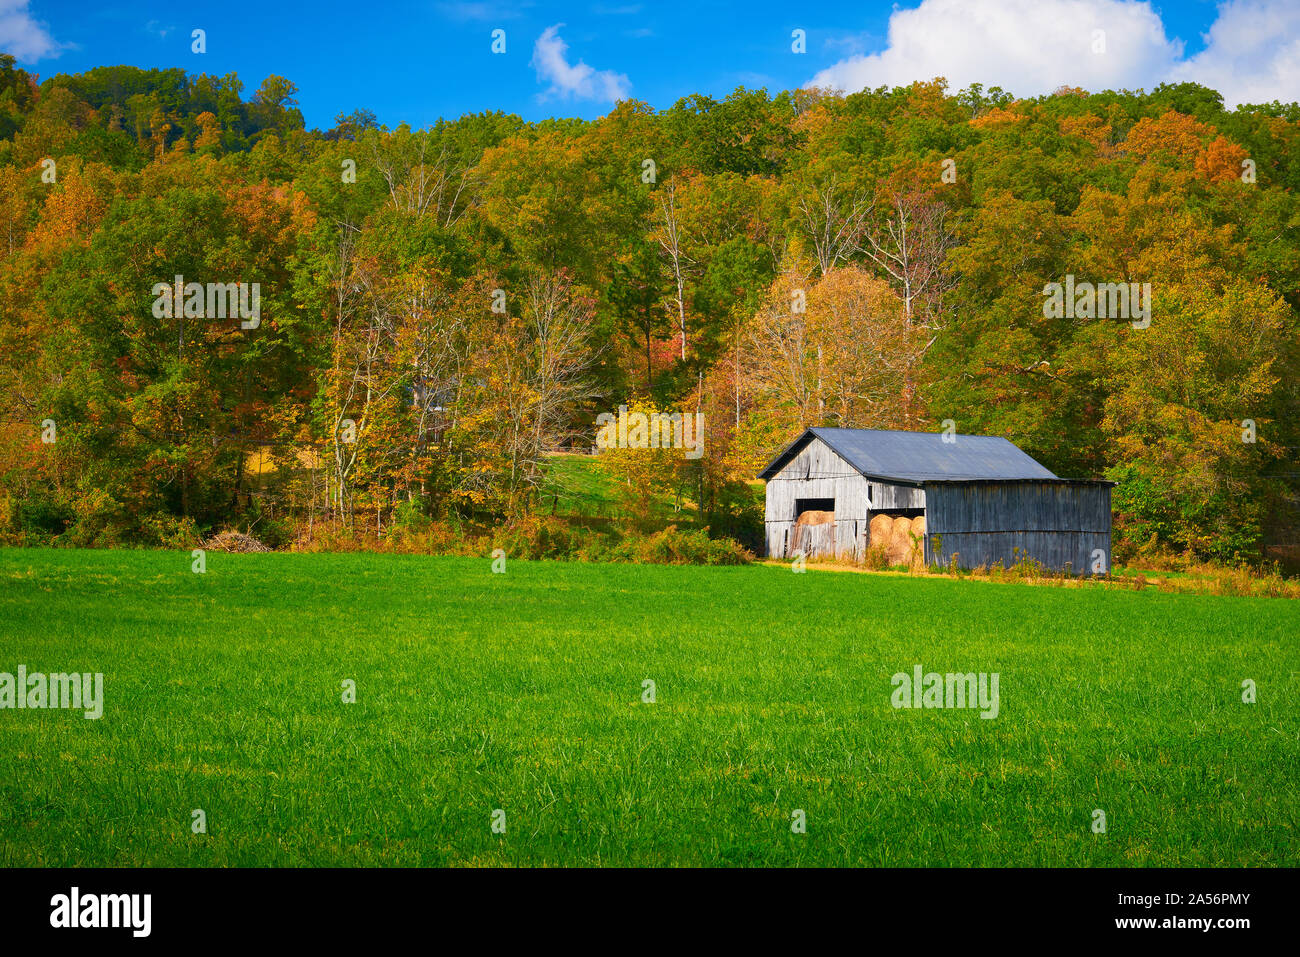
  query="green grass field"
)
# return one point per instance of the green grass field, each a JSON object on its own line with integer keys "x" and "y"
{"x": 523, "y": 692}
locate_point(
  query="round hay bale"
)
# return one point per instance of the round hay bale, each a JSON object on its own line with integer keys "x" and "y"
{"x": 882, "y": 529}
{"x": 918, "y": 541}
{"x": 900, "y": 542}
{"x": 814, "y": 517}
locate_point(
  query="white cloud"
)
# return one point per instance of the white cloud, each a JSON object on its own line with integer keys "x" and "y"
{"x": 578, "y": 80}
{"x": 27, "y": 39}
{"x": 1252, "y": 53}
{"x": 1025, "y": 46}
{"x": 1031, "y": 47}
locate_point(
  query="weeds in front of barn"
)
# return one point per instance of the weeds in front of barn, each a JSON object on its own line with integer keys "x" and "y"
{"x": 1191, "y": 579}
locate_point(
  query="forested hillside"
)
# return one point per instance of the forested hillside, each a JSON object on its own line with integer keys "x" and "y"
{"x": 440, "y": 309}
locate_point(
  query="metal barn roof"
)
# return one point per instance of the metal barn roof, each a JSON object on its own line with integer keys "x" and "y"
{"x": 912, "y": 458}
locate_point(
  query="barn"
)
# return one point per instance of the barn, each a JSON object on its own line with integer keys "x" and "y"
{"x": 837, "y": 492}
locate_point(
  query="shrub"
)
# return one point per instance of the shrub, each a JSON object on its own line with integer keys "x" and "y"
{"x": 876, "y": 557}
{"x": 673, "y": 546}
{"x": 409, "y": 517}
{"x": 540, "y": 536}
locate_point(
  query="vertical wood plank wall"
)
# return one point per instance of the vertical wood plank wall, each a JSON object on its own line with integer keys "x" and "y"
{"x": 984, "y": 522}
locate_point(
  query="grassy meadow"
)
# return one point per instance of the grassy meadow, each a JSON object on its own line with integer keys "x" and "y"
{"x": 523, "y": 692}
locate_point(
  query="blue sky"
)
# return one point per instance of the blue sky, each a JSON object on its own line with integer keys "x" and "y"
{"x": 417, "y": 61}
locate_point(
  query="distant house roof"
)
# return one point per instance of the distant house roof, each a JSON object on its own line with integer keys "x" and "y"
{"x": 913, "y": 458}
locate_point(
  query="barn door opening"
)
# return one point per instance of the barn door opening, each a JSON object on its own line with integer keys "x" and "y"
{"x": 897, "y": 535}
{"x": 814, "y": 526}
{"x": 802, "y": 505}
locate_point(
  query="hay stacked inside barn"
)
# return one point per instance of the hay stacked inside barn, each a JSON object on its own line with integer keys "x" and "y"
{"x": 898, "y": 538}
{"x": 969, "y": 499}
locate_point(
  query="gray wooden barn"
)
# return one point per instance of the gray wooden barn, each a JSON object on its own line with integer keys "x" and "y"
{"x": 982, "y": 498}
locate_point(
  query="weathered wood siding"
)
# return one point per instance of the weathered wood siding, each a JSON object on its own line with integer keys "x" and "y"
{"x": 813, "y": 540}
{"x": 819, "y": 472}
{"x": 1055, "y": 523}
